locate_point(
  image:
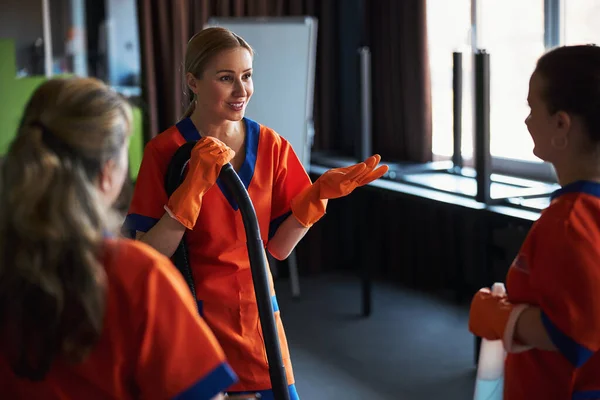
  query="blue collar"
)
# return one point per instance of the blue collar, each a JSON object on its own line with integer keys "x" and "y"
{"x": 587, "y": 187}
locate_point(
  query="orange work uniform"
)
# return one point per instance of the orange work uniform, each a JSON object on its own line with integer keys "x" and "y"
{"x": 153, "y": 344}
{"x": 273, "y": 175}
{"x": 558, "y": 270}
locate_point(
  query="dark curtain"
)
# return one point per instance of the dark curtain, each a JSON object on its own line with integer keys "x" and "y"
{"x": 167, "y": 25}
{"x": 395, "y": 31}
{"x": 397, "y": 35}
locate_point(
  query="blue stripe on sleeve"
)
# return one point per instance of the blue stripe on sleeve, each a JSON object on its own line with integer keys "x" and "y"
{"x": 269, "y": 395}
{"x": 274, "y": 225}
{"x": 215, "y": 382}
{"x": 137, "y": 222}
{"x": 573, "y": 351}
{"x": 587, "y": 395}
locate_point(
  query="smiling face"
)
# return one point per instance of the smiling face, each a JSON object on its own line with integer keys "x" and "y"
{"x": 225, "y": 86}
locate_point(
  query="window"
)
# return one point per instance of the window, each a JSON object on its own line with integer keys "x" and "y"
{"x": 515, "y": 33}
{"x": 68, "y": 39}
{"x": 122, "y": 44}
{"x": 582, "y": 22}
{"x": 87, "y": 38}
{"x": 449, "y": 30}
{"x": 512, "y": 32}
{"x": 97, "y": 39}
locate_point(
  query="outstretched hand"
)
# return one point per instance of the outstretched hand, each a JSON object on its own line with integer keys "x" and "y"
{"x": 309, "y": 206}
{"x": 340, "y": 182}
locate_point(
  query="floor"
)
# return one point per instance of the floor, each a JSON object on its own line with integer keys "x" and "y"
{"x": 413, "y": 346}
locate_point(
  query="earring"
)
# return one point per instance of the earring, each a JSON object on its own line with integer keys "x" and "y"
{"x": 559, "y": 142}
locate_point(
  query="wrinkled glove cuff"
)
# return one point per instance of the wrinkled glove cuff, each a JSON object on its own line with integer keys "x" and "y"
{"x": 187, "y": 215}
{"x": 307, "y": 207}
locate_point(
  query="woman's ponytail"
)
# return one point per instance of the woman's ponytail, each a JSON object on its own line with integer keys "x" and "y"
{"x": 52, "y": 223}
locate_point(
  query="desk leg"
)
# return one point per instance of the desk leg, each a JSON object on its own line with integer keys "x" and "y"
{"x": 458, "y": 235}
{"x": 366, "y": 291}
{"x": 487, "y": 261}
{"x": 366, "y": 253}
{"x": 294, "y": 278}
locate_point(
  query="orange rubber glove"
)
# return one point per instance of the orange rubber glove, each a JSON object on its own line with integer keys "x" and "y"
{"x": 309, "y": 206}
{"x": 489, "y": 314}
{"x": 207, "y": 158}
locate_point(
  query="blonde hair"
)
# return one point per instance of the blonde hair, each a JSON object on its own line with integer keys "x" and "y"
{"x": 201, "y": 48}
{"x": 53, "y": 222}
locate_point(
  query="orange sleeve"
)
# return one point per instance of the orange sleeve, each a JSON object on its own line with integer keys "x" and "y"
{"x": 566, "y": 277}
{"x": 149, "y": 195}
{"x": 179, "y": 357}
{"x": 290, "y": 179}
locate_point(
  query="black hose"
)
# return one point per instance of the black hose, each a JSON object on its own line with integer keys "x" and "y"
{"x": 258, "y": 264}
{"x": 173, "y": 178}
{"x": 260, "y": 277}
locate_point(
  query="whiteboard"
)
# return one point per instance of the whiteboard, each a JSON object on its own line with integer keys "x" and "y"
{"x": 284, "y": 75}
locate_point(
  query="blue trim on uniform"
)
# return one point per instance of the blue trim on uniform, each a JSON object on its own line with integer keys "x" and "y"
{"x": 274, "y": 225}
{"x": 189, "y": 132}
{"x": 573, "y": 351}
{"x": 247, "y": 169}
{"x": 252, "y": 137}
{"x": 215, "y": 382}
{"x": 275, "y": 304}
{"x": 587, "y": 187}
{"x": 268, "y": 394}
{"x": 200, "y": 307}
{"x": 137, "y": 222}
{"x": 227, "y": 194}
{"x": 587, "y": 395}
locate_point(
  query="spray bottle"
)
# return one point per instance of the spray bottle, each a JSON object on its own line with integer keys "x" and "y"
{"x": 490, "y": 369}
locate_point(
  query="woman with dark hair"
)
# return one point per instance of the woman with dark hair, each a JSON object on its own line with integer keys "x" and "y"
{"x": 549, "y": 320}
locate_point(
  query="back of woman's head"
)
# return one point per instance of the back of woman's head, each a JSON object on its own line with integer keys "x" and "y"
{"x": 203, "y": 47}
{"x": 571, "y": 76}
{"x": 53, "y": 221}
